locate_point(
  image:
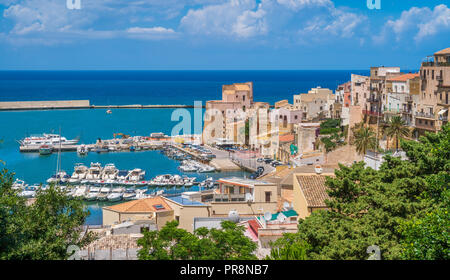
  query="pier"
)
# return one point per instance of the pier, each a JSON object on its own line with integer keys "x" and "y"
{"x": 79, "y": 104}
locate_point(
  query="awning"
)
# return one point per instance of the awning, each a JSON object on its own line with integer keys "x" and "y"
{"x": 441, "y": 112}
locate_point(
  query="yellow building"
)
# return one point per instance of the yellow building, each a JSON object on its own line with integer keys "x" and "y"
{"x": 155, "y": 209}
{"x": 309, "y": 193}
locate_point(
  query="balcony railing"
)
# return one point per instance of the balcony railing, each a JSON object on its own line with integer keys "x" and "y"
{"x": 229, "y": 197}
{"x": 409, "y": 99}
{"x": 424, "y": 115}
{"x": 372, "y": 113}
{"x": 431, "y": 63}
{"x": 373, "y": 99}
{"x": 443, "y": 118}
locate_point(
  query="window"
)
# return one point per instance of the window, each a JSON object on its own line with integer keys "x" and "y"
{"x": 243, "y": 97}
{"x": 268, "y": 194}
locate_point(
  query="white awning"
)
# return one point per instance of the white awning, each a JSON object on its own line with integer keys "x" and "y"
{"x": 441, "y": 112}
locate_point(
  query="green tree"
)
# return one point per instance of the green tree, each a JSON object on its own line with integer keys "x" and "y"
{"x": 173, "y": 243}
{"x": 402, "y": 208}
{"x": 396, "y": 129}
{"x": 43, "y": 230}
{"x": 365, "y": 140}
{"x": 289, "y": 248}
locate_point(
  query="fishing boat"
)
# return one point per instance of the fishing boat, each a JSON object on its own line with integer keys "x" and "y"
{"x": 93, "y": 193}
{"x": 109, "y": 172}
{"x": 135, "y": 175}
{"x": 47, "y": 139}
{"x": 80, "y": 172}
{"x": 108, "y": 111}
{"x": 45, "y": 150}
{"x": 116, "y": 194}
{"x": 82, "y": 150}
{"x": 104, "y": 192}
{"x": 94, "y": 171}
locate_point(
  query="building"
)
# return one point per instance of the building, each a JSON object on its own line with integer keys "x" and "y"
{"x": 372, "y": 108}
{"x": 247, "y": 197}
{"x": 148, "y": 209}
{"x": 344, "y": 94}
{"x": 402, "y": 97}
{"x": 316, "y": 104}
{"x": 186, "y": 209}
{"x": 221, "y": 116}
{"x": 310, "y": 193}
{"x": 286, "y": 115}
{"x": 432, "y": 111}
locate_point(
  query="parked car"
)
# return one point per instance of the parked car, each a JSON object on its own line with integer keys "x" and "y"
{"x": 260, "y": 160}
{"x": 268, "y": 160}
{"x": 276, "y": 163}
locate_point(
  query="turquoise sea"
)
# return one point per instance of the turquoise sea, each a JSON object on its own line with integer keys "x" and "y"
{"x": 89, "y": 125}
{"x": 126, "y": 87}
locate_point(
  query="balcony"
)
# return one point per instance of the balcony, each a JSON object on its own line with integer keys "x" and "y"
{"x": 372, "y": 113}
{"x": 409, "y": 99}
{"x": 229, "y": 197}
{"x": 443, "y": 118}
{"x": 373, "y": 99}
{"x": 435, "y": 64}
{"x": 424, "y": 115}
{"x": 439, "y": 78}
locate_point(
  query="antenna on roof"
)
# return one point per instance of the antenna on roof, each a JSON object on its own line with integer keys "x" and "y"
{"x": 233, "y": 215}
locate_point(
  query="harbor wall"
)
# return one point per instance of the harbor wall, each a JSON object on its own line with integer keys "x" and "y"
{"x": 79, "y": 104}
{"x": 42, "y": 105}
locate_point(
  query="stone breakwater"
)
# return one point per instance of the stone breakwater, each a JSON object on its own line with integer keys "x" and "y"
{"x": 77, "y": 104}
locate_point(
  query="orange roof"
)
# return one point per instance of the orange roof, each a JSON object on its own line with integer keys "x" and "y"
{"x": 444, "y": 51}
{"x": 145, "y": 205}
{"x": 286, "y": 138}
{"x": 404, "y": 78}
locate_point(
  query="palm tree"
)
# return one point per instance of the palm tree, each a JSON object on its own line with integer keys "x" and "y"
{"x": 365, "y": 140}
{"x": 396, "y": 129}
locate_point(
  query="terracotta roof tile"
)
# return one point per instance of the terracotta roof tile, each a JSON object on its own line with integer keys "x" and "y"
{"x": 145, "y": 205}
{"x": 314, "y": 189}
{"x": 444, "y": 51}
{"x": 404, "y": 78}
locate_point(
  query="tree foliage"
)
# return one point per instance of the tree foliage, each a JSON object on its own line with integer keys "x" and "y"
{"x": 402, "y": 208}
{"x": 396, "y": 129}
{"x": 173, "y": 243}
{"x": 365, "y": 140}
{"x": 43, "y": 230}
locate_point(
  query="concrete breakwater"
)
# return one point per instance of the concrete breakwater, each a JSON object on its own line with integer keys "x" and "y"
{"x": 78, "y": 104}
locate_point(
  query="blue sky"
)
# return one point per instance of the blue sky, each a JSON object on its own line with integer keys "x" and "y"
{"x": 220, "y": 34}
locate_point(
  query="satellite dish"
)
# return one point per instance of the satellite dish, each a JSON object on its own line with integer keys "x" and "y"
{"x": 248, "y": 197}
{"x": 286, "y": 205}
{"x": 233, "y": 216}
{"x": 268, "y": 216}
{"x": 318, "y": 169}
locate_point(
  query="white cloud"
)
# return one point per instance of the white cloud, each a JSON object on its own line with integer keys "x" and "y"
{"x": 417, "y": 23}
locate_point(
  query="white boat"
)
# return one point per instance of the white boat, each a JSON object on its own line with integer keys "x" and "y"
{"x": 80, "y": 191}
{"x": 109, "y": 172}
{"x": 94, "y": 171}
{"x": 61, "y": 176}
{"x": 29, "y": 192}
{"x": 104, "y": 192}
{"x": 122, "y": 175}
{"x": 80, "y": 172}
{"x": 82, "y": 150}
{"x": 116, "y": 194}
{"x": 135, "y": 175}
{"x": 206, "y": 169}
{"x": 129, "y": 194}
{"x": 92, "y": 194}
{"x": 47, "y": 139}
{"x": 19, "y": 185}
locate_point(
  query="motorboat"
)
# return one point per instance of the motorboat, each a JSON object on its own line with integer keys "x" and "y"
{"x": 80, "y": 172}
{"x": 82, "y": 150}
{"x": 104, "y": 192}
{"x": 122, "y": 175}
{"x": 206, "y": 169}
{"x": 94, "y": 171}
{"x": 116, "y": 194}
{"x": 19, "y": 185}
{"x": 93, "y": 193}
{"x": 80, "y": 191}
{"x": 136, "y": 174}
{"x": 47, "y": 139}
{"x": 45, "y": 150}
{"x": 70, "y": 192}
{"x": 29, "y": 192}
{"x": 109, "y": 172}
{"x": 129, "y": 194}
{"x": 60, "y": 176}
